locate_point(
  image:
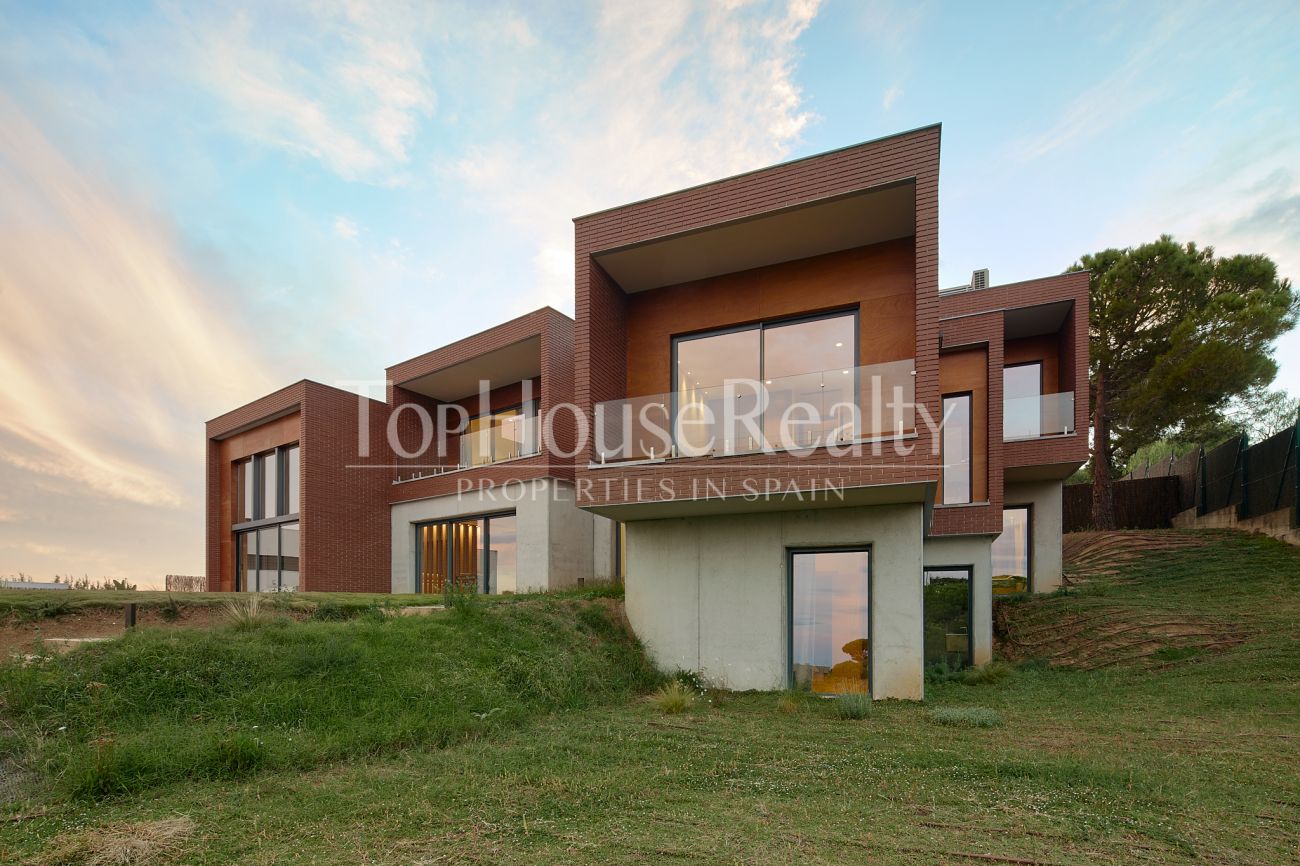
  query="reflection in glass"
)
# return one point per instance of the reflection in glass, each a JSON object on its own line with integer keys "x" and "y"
{"x": 246, "y": 562}
{"x": 432, "y": 550}
{"x": 291, "y": 480}
{"x": 947, "y": 617}
{"x": 704, "y": 365}
{"x": 1022, "y": 391}
{"x": 830, "y": 621}
{"x": 467, "y": 554}
{"x": 267, "y": 474}
{"x": 1011, "y": 552}
{"x": 502, "y": 435}
{"x": 246, "y": 491}
{"x": 956, "y": 449}
{"x": 289, "y": 541}
{"x": 268, "y": 560}
{"x": 504, "y": 557}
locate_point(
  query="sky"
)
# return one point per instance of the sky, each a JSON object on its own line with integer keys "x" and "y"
{"x": 201, "y": 203}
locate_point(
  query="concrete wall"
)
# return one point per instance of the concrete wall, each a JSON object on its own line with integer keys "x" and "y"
{"x": 604, "y": 547}
{"x": 1045, "y": 529}
{"x": 1275, "y": 523}
{"x": 555, "y": 537}
{"x": 710, "y": 594}
{"x": 973, "y": 551}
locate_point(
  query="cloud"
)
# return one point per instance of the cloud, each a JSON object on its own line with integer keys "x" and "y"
{"x": 345, "y": 228}
{"x": 351, "y": 96}
{"x": 672, "y": 95}
{"x": 891, "y": 96}
{"x": 109, "y": 340}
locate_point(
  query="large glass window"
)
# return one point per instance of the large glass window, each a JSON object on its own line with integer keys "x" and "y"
{"x": 246, "y": 491}
{"x": 289, "y": 547}
{"x": 501, "y": 435}
{"x": 830, "y": 621}
{"x": 956, "y": 449}
{"x": 269, "y": 482}
{"x": 267, "y": 559}
{"x": 1022, "y": 393}
{"x": 246, "y": 562}
{"x": 947, "y": 617}
{"x": 1011, "y": 552}
{"x": 475, "y": 554}
{"x": 808, "y": 361}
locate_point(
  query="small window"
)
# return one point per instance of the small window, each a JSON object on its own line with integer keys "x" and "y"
{"x": 291, "y": 479}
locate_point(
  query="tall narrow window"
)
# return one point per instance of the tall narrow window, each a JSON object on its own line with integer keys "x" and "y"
{"x": 291, "y": 479}
{"x": 1011, "y": 552}
{"x": 503, "y": 559}
{"x": 947, "y": 617}
{"x": 1022, "y": 401}
{"x": 289, "y": 552}
{"x": 830, "y": 621}
{"x": 269, "y": 482}
{"x": 246, "y": 493}
{"x": 956, "y": 449}
{"x": 268, "y": 560}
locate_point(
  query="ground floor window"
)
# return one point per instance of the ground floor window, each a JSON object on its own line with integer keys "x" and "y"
{"x": 472, "y": 554}
{"x": 1011, "y": 552}
{"x": 267, "y": 559}
{"x": 947, "y": 617}
{"x": 830, "y": 620}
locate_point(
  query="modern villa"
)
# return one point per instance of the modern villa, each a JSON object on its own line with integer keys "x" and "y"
{"x": 808, "y": 464}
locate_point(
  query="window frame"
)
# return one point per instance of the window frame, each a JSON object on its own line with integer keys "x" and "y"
{"x": 257, "y": 473}
{"x": 790, "y": 553}
{"x": 970, "y": 446}
{"x": 1028, "y": 508}
{"x": 485, "y": 555}
{"x": 253, "y": 530}
{"x": 970, "y": 608}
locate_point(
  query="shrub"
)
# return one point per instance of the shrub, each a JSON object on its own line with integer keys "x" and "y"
{"x": 987, "y": 674}
{"x": 853, "y": 706}
{"x": 966, "y": 717}
{"x": 331, "y": 611}
{"x": 673, "y": 698}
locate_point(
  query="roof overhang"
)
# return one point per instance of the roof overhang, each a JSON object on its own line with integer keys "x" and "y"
{"x": 813, "y": 228}
{"x": 1036, "y": 320}
{"x": 504, "y": 366}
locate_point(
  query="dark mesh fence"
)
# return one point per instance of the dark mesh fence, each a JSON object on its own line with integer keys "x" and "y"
{"x": 1187, "y": 470}
{"x": 1140, "y": 503}
{"x": 1271, "y": 474}
{"x": 1221, "y": 483}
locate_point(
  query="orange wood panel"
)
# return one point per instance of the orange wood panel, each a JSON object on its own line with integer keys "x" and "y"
{"x": 878, "y": 279}
{"x": 1045, "y": 348}
{"x": 959, "y": 372}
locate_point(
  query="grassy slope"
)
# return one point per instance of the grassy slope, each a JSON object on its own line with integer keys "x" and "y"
{"x": 1192, "y": 761}
{"x": 21, "y": 600}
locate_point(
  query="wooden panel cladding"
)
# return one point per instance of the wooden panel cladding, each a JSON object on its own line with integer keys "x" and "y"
{"x": 879, "y": 279}
{"x": 960, "y": 372}
{"x": 272, "y": 434}
{"x": 1045, "y": 348}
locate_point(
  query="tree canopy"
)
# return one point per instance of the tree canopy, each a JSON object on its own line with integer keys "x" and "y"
{"x": 1176, "y": 333}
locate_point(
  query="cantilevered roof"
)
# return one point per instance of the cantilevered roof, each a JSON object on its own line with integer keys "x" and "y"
{"x": 808, "y": 229}
{"x": 504, "y": 366}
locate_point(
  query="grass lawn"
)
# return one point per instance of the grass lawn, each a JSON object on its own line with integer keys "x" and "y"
{"x": 1187, "y": 757}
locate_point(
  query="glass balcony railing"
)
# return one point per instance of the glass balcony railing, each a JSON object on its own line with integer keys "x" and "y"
{"x": 829, "y": 407}
{"x": 1036, "y": 417}
{"x": 501, "y": 438}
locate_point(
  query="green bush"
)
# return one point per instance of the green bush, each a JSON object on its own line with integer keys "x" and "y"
{"x": 987, "y": 674}
{"x": 853, "y": 706}
{"x": 158, "y": 706}
{"x": 673, "y": 697}
{"x": 966, "y": 717}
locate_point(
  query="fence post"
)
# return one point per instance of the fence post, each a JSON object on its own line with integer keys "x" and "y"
{"x": 1243, "y": 469}
{"x": 1200, "y": 481}
{"x": 1295, "y": 458}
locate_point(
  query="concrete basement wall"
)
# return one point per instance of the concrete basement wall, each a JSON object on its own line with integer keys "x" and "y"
{"x": 974, "y": 551}
{"x": 711, "y": 594}
{"x": 1045, "y": 529}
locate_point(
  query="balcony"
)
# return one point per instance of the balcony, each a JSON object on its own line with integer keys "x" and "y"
{"x": 1038, "y": 417}
{"x": 745, "y": 416}
{"x": 498, "y": 438}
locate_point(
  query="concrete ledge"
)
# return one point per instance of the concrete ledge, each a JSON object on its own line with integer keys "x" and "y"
{"x": 1275, "y": 523}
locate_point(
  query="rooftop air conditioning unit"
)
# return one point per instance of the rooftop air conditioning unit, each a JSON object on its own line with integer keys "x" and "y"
{"x": 979, "y": 279}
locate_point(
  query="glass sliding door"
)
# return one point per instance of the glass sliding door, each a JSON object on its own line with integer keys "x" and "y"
{"x": 503, "y": 557}
{"x": 289, "y": 540}
{"x": 947, "y": 617}
{"x": 1022, "y": 401}
{"x": 956, "y": 445}
{"x": 830, "y": 621}
{"x": 268, "y": 559}
{"x": 1011, "y": 552}
{"x": 471, "y": 554}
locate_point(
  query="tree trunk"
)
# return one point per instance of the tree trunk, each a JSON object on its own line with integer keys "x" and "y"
{"x": 1103, "y": 492}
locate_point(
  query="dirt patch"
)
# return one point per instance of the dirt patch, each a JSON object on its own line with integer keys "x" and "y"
{"x": 19, "y": 636}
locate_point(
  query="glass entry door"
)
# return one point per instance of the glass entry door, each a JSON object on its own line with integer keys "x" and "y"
{"x": 830, "y": 623}
{"x": 472, "y": 554}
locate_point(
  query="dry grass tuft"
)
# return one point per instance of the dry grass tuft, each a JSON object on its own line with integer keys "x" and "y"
{"x": 244, "y": 611}
{"x": 673, "y": 698}
{"x": 119, "y": 845}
